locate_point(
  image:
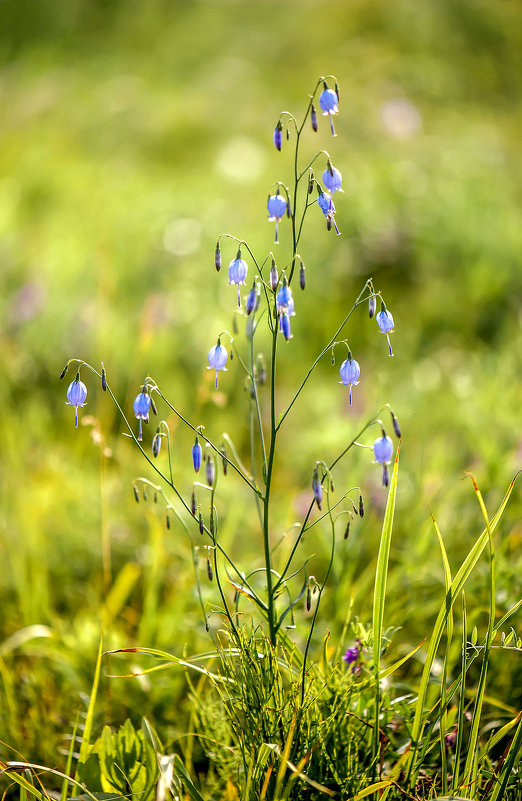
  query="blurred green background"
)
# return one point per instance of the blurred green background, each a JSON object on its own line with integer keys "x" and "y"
{"x": 132, "y": 135}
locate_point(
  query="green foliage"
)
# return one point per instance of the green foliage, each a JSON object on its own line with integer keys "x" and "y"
{"x": 121, "y": 762}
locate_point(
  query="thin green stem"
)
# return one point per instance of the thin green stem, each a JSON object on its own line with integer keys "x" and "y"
{"x": 266, "y": 506}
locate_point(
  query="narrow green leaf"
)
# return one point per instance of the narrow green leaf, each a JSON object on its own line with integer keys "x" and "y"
{"x": 182, "y": 773}
{"x": 84, "y": 748}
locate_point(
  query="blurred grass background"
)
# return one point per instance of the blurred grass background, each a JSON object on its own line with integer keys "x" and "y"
{"x": 132, "y": 135}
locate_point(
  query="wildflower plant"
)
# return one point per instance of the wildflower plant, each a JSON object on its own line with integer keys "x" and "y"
{"x": 270, "y": 689}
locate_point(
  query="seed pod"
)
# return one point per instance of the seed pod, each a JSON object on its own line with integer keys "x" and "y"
{"x": 361, "y": 506}
{"x": 347, "y": 530}
{"x": 308, "y": 600}
{"x": 209, "y": 570}
{"x": 136, "y": 493}
{"x": 217, "y": 257}
{"x": 193, "y": 503}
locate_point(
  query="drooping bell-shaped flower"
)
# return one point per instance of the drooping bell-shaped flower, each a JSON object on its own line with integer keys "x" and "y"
{"x": 237, "y": 272}
{"x": 76, "y": 395}
{"x": 278, "y": 135}
{"x": 383, "y": 452}
{"x": 284, "y": 326}
{"x": 141, "y": 409}
{"x": 328, "y": 100}
{"x": 217, "y": 358}
{"x": 327, "y": 206}
{"x": 332, "y": 179}
{"x": 285, "y": 300}
{"x": 197, "y": 453}
{"x": 386, "y": 324}
{"x": 277, "y": 206}
{"x": 350, "y": 372}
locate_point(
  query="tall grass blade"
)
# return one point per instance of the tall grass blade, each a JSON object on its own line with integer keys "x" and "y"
{"x": 84, "y": 748}
{"x": 513, "y": 753}
{"x": 380, "y": 593}
{"x": 456, "y": 586}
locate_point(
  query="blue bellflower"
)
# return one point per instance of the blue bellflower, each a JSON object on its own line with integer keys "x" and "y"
{"x": 141, "y": 409}
{"x": 328, "y": 101}
{"x": 327, "y": 206}
{"x": 237, "y": 272}
{"x": 386, "y": 325}
{"x": 383, "y": 452}
{"x": 217, "y": 358}
{"x": 332, "y": 180}
{"x": 76, "y": 395}
{"x": 277, "y": 207}
{"x": 350, "y": 372}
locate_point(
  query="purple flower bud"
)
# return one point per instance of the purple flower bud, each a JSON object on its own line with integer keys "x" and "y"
{"x": 217, "y": 358}
{"x": 350, "y": 372}
{"x": 193, "y": 503}
{"x": 317, "y": 489}
{"x": 76, "y": 395}
{"x": 274, "y": 277}
{"x": 396, "y": 426}
{"x": 361, "y": 506}
{"x": 104, "y": 379}
{"x": 237, "y": 272}
{"x": 201, "y": 526}
{"x": 197, "y": 452}
{"x": 347, "y": 530}
{"x": 372, "y": 305}
{"x": 210, "y": 471}
{"x": 156, "y": 443}
{"x": 313, "y": 118}
{"x": 251, "y": 300}
{"x": 217, "y": 257}
{"x": 332, "y": 179}
{"x": 209, "y": 570}
{"x": 302, "y": 276}
{"x": 64, "y": 371}
{"x": 278, "y": 138}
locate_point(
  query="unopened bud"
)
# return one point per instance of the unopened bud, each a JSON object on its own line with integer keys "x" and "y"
{"x": 329, "y": 223}
{"x": 201, "y": 528}
{"x": 274, "y": 277}
{"x": 217, "y": 257}
{"x": 193, "y": 503}
{"x": 308, "y": 600}
{"x": 156, "y": 443}
{"x": 153, "y": 405}
{"x": 155, "y": 497}
{"x": 361, "y": 506}
{"x": 104, "y": 379}
{"x": 224, "y": 460}
{"x": 396, "y": 426}
{"x": 317, "y": 489}
{"x": 209, "y": 570}
{"x": 347, "y": 530}
{"x": 302, "y": 276}
{"x": 311, "y": 182}
{"x": 313, "y": 118}
{"x": 167, "y": 521}
{"x": 136, "y": 493}
{"x": 210, "y": 471}
{"x": 372, "y": 306}
{"x": 145, "y": 494}
{"x": 64, "y": 371}
{"x": 337, "y": 89}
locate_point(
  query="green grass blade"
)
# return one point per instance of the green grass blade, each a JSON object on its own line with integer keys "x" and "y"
{"x": 65, "y": 784}
{"x": 182, "y": 773}
{"x": 514, "y": 751}
{"x": 456, "y": 586}
{"x": 84, "y": 748}
{"x": 379, "y": 593}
